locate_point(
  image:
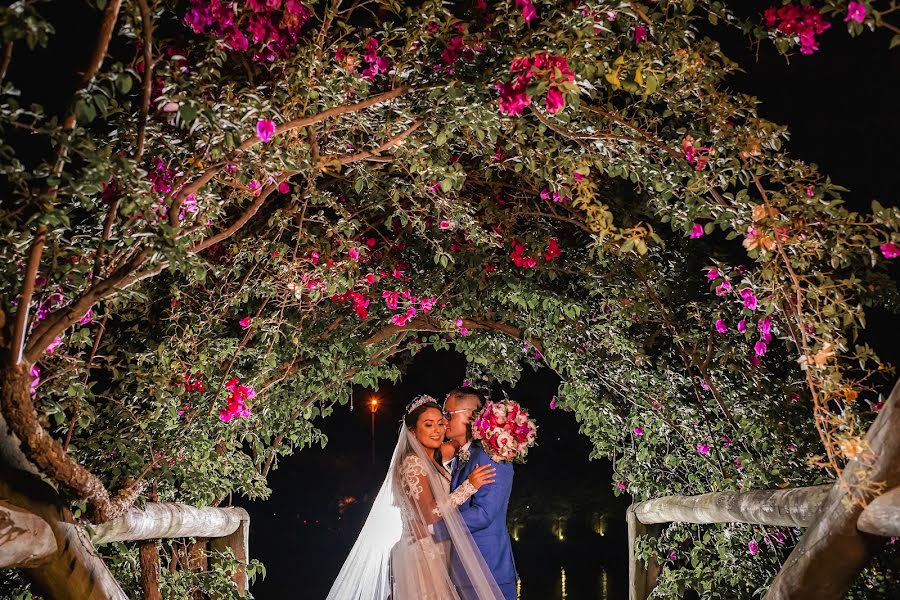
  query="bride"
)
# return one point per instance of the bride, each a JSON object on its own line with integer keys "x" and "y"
{"x": 395, "y": 556}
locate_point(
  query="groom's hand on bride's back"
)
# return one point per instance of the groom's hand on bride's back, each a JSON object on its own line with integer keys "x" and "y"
{"x": 482, "y": 475}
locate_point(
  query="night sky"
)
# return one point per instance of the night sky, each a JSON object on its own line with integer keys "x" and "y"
{"x": 840, "y": 104}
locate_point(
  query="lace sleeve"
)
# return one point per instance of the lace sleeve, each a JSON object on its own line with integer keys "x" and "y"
{"x": 459, "y": 496}
{"x": 415, "y": 485}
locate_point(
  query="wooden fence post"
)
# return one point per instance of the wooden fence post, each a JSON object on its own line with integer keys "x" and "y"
{"x": 239, "y": 543}
{"x": 641, "y": 577}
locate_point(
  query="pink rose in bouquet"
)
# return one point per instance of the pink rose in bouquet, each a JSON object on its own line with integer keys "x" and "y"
{"x": 505, "y": 431}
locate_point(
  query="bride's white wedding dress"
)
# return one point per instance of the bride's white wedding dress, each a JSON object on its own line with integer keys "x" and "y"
{"x": 396, "y": 557}
{"x": 436, "y": 555}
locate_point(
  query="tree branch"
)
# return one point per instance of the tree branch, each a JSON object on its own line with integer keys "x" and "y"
{"x": 147, "y": 26}
{"x": 31, "y": 270}
{"x": 252, "y": 141}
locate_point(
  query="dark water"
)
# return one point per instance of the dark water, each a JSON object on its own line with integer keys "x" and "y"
{"x": 303, "y": 538}
{"x": 308, "y": 557}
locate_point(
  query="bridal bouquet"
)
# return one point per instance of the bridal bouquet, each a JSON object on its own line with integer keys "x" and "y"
{"x": 505, "y": 431}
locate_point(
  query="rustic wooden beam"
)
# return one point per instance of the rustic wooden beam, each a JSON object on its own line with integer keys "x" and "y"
{"x": 793, "y": 507}
{"x": 73, "y": 571}
{"x": 26, "y": 540}
{"x": 882, "y": 516}
{"x": 150, "y": 570}
{"x": 239, "y": 543}
{"x": 169, "y": 520}
{"x": 833, "y": 551}
{"x": 641, "y": 577}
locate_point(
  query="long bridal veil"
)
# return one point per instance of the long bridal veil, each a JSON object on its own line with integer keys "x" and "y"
{"x": 395, "y": 557}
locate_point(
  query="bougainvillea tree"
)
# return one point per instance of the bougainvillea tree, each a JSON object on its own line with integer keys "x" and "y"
{"x": 247, "y": 207}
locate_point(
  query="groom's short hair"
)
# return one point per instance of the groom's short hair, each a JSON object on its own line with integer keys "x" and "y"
{"x": 482, "y": 395}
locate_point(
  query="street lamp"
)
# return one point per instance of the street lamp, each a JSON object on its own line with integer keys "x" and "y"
{"x": 373, "y": 406}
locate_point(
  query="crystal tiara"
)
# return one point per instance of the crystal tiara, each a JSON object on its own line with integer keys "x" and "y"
{"x": 419, "y": 401}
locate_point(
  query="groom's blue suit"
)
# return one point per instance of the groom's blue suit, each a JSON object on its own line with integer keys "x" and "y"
{"x": 485, "y": 515}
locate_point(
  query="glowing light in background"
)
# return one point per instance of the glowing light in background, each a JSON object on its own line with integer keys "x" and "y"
{"x": 563, "y": 585}
{"x": 518, "y": 589}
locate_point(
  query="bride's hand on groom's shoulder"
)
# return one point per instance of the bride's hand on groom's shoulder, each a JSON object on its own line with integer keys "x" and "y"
{"x": 482, "y": 475}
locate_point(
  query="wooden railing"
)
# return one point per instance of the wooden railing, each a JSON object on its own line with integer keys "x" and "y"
{"x": 841, "y": 532}
{"x": 30, "y": 539}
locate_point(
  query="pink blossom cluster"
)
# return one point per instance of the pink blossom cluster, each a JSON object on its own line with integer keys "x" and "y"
{"x": 235, "y": 406}
{"x": 392, "y": 299}
{"x": 695, "y": 154}
{"x": 545, "y": 195}
{"x": 458, "y": 49}
{"x": 805, "y": 22}
{"x": 527, "y": 9}
{"x": 543, "y": 66}
{"x": 505, "y": 431}
{"x": 360, "y": 302}
{"x": 375, "y": 64}
{"x": 520, "y": 259}
{"x": 890, "y": 250}
{"x": 273, "y": 26}
{"x": 193, "y": 384}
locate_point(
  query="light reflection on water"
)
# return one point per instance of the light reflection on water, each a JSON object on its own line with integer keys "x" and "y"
{"x": 561, "y": 592}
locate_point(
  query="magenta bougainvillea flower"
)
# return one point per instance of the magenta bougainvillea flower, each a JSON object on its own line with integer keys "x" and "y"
{"x": 375, "y": 64}
{"x": 749, "y": 298}
{"x": 391, "y": 299}
{"x": 640, "y": 34}
{"x": 697, "y": 231}
{"x": 621, "y": 485}
{"x": 528, "y": 10}
{"x": 702, "y": 449}
{"x": 723, "y": 288}
{"x": 742, "y": 326}
{"x": 760, "y": 348}
{"x": 543, "y": 66}
{"x": 856, "y": 11}
{"x": 804, "y": 22}
{"x": 353, "y": 253}
{"x": 753, "y": 547}
{"x": 553, "y": 250}
{"x": 555, "y": 101}
{"x": 890, "y": 250}
{"x": 235, "y": 405}
{"x": 56, "y": 343}
{"x": 765, "y": 329}
{"x": 245, "y": 322}
{"x": 87, "y": 318}
{"x": 639, "y": 431}
{"x": 721, "y": 327}
{"x": 712, "y": 274}
{"x": 265, "y": 129}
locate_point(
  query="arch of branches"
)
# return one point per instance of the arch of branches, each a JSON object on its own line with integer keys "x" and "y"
{"x": 245, "y": 208}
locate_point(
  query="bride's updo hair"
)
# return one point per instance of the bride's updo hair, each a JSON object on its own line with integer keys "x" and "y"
{"x": 416, "y": 408}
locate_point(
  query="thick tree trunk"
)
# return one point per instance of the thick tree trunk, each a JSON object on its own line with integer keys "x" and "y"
{"x": 149, "y": 558}
{"x": 26, "y": 540}
{"x": 833, "y": 551}
{"x": 169, "y": 520}
{"x": 795, "y": 507}
{"x": 73, "y": 571}
{"x": 882, "y": 517}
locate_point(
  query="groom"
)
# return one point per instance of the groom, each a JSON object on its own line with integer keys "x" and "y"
{"x": 485, "y": 512}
